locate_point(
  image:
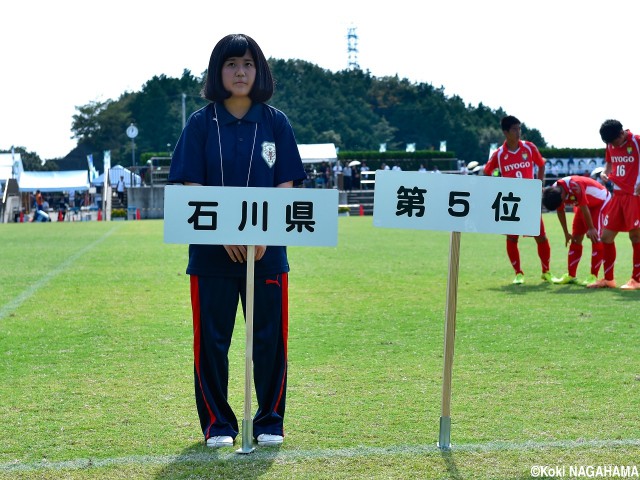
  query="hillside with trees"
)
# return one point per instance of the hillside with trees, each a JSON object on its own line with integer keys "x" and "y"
{"x": 351, "y": 108}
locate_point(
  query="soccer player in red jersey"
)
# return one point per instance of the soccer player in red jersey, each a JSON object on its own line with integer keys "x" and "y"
{"x": 622, "y": 213}
{"x": 589, "y": 196}
{"x": 518, "y": 158}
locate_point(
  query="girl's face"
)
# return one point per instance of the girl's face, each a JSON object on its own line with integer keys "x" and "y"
{"x": 239, "y": 74}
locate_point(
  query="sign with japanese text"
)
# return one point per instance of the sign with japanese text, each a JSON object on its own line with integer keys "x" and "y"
{"x": 250, "y": 216}
{"x": 457, "y": 203}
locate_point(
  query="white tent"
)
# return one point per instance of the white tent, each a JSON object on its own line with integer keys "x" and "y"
{"x": 62, "y": 181}
{"x": 318, "y": 152}
{"x": 130, "y": 179}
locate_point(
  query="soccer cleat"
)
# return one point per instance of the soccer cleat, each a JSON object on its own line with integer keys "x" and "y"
{"x": 565, "y": 279}
{"x": 519, "y": 280}
{"x": 220, "y": 441}
{"x": 631, "y": 285}
{"x": 602, "y": 283}
{"x": 267, "y": 439}
{"x": 547, "y": 277}
{"x": 589, "y": 280}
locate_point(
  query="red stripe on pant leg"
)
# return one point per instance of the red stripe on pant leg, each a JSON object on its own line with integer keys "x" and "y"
{"x": 195, "y": 307}
{"x": 285, "y": 331}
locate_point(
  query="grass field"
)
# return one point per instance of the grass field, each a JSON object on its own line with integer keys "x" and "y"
{"x": 96, "y": 360}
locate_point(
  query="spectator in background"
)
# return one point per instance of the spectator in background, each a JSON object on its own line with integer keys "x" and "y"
{"x": 355, "y": 178}
{"x": 347, "y": 175}
{"x": 364, "y": 168}
{"x": 436, "y": 169}
{"x": 62, "y": 208}
{"x": 337, "y": 170}
{"x": 322, "y": 180}
{"x": 120, "y": 189}
{"x": 38, "y": 206}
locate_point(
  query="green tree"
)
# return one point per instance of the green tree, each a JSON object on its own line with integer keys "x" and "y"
{"x": 158, "y": 109}
{"x": 86, "y": 124}
{"x": 350, "y": 108}
{"x": 31, "y": 161}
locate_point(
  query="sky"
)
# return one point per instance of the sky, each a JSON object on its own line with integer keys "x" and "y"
{"x": 561, "y": 66}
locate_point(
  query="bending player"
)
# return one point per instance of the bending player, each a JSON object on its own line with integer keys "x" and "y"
{"x": 589, "y": 196}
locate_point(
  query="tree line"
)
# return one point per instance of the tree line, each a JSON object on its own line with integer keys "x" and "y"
{"x": 350, "y": 108}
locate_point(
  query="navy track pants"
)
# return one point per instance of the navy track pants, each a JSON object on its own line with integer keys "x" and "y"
{"x": 214, "y": 302}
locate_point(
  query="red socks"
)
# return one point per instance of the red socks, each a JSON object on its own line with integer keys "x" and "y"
{"x": 609, "y": 255}
{"x": 514, "y": 254}
{"x": 597, "y": 253}
{"x": 544, "y": 252}
{"x": 575, "y": 254}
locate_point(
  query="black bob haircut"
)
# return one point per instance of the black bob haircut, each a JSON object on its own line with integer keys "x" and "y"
{"x": 552, "y": 197}
{"x": 235, "y": 45}
{"x": 610, "y": 130}
{"x": 507, "y": 122}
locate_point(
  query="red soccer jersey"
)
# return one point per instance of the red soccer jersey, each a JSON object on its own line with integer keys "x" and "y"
{"x": 625, "y": 164}
{"x": 518, "y": 164}
{"x": 582, "y": 191}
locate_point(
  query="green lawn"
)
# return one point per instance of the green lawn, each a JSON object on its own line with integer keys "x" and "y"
{"x": 96, "y": 361}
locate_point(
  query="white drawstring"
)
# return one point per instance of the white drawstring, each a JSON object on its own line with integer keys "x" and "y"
{"x": 255, "y": 134}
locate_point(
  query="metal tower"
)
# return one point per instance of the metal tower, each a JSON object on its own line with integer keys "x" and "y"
{"x": 352, "y": 48}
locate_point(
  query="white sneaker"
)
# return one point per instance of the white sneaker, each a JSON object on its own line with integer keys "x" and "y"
{"x": 266, "y": 439}
{"x": 220, "y": 441}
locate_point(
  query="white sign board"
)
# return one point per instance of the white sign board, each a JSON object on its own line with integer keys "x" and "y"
{"x": 250, "y": 216}
{"x": 457, "y": 203}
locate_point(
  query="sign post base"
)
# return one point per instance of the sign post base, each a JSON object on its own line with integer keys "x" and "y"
{"x": 247, "y": 437}
{"x": 444, "y": 441}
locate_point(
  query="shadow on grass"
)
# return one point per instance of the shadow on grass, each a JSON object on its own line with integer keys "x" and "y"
{"x": 526, "y": 288}
{"x": 200, "y": 461}
{"x": 626, "y": 296}
{"x": 449, "y": 462}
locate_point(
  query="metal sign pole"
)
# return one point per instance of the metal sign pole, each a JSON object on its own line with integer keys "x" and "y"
{"x": 247, "y": 421}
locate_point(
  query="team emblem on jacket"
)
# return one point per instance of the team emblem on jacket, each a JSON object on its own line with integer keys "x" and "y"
{"x": 269, "y": 153}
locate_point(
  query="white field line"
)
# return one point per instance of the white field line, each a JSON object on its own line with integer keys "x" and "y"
{"x": 292, "y": 456}
{"x": 7, "y": 308}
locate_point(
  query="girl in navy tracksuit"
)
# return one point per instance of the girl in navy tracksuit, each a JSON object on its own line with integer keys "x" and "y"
{"x": 237, "y": 140}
